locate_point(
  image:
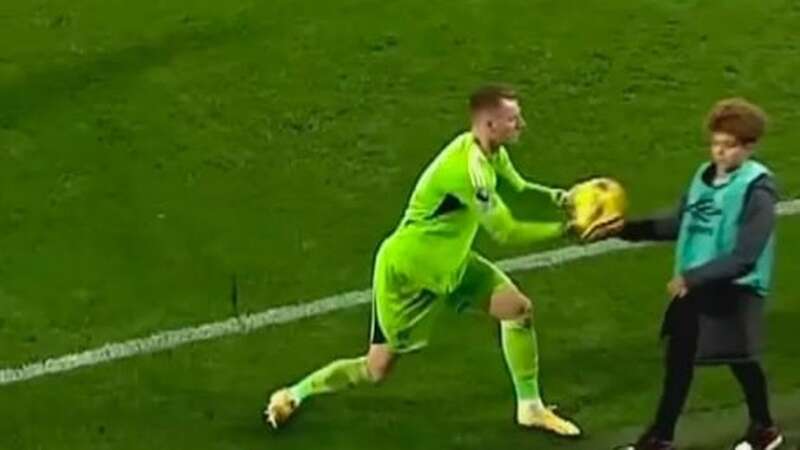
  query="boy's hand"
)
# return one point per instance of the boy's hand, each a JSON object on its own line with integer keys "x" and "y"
{"x": 606, "y": 231}
{"x": 677, "y": 288}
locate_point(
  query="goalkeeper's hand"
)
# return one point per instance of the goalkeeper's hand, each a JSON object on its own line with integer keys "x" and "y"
{"x": 559, "y": 196}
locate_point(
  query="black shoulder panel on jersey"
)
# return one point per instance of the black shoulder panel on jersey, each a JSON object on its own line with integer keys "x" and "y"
{"x": 449, "y": 204}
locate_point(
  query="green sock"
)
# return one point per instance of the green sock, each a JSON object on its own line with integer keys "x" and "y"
{"x": 522, "y": 356}
{"x": 336, "y": 376}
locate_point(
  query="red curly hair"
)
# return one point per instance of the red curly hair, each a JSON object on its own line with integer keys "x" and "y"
{"x": 738, "y": 117}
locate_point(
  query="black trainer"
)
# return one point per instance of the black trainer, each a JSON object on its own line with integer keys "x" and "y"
{"x": 760, "y": 438}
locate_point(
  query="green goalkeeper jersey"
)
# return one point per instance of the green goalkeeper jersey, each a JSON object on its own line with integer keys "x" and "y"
{"x": 453, "y": 197}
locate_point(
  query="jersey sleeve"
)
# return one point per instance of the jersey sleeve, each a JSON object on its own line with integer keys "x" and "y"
{"x": 505, "y": 168}
{"x": 497, "y": 220}
{"x": 473, "y": 189}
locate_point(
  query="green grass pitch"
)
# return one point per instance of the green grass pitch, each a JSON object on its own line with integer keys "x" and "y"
{"x": 150, "y": 150}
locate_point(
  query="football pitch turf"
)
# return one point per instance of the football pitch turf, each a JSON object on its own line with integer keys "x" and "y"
{"x": 149, "y": 151}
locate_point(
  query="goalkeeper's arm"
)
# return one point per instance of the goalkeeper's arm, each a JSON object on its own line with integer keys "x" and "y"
{"x": 498, "y": 221}
{"x": 507, "y": 170}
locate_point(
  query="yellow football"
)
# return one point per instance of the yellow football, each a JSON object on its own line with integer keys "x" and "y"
{"x": 595, "y": 204}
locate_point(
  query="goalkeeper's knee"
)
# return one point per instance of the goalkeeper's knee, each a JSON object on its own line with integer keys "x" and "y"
{"x": 523, "y": 318}
{"x": 511, "y": 306}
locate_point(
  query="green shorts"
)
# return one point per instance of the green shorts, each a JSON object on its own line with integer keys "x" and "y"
{"x": 403, "y": 311}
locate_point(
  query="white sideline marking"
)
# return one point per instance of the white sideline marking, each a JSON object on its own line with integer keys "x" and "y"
{"x": 174, "y": 338}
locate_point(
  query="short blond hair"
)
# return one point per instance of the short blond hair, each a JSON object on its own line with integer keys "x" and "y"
{"x": 489, "y": 96}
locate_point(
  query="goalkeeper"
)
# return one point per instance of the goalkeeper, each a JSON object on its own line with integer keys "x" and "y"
{"x": 428, "y": 264}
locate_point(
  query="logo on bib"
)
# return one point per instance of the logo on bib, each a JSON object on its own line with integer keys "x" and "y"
{"x": 703, "y": 210}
